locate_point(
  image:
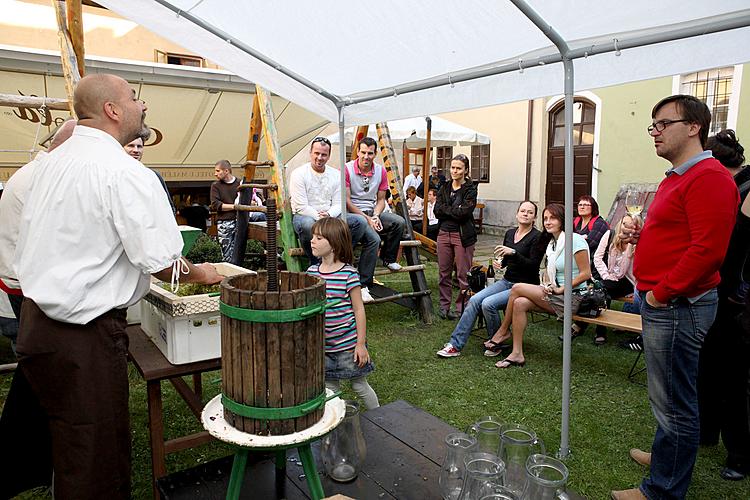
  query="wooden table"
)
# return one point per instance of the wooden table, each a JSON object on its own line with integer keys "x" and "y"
{"x": 154, "y": 368}
{"x": 405, "y": 451}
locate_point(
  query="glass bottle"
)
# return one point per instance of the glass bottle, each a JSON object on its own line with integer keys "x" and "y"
{"x": 451, "y": 478}
{"x": 490, "y": 274}
{"x": 343, "y": 451}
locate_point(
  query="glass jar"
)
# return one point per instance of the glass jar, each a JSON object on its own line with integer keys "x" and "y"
{"x": 451, "y": 479}
{"x": 546, "y": 478}
{"x": 484, "y": 471}
{"x": 343, "y": 451}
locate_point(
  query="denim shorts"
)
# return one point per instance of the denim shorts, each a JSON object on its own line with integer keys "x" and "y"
{"x": 557, "y": 304}
{"x": 341, "y": 366}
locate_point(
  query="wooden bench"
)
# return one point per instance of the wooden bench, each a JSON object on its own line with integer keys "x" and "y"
{"x": 619, "y": 321}
{"x": 478, "y": 220}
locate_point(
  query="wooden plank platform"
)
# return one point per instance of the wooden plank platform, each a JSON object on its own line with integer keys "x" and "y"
{"x": 615, "y": 319}
{"x": 405, "y": 450}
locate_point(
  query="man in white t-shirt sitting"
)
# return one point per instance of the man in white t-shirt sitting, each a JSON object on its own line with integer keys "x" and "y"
{"x": 315, "y": 192}
{"x": 414, "y": 178}
{"x": 366, "y": 185}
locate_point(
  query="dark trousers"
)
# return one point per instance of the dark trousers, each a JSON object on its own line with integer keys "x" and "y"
{"x": 79, "y": 376}
{"x": 723, "y": 386}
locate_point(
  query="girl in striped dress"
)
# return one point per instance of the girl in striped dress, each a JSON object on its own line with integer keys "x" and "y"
{"x": 345, "y": 326}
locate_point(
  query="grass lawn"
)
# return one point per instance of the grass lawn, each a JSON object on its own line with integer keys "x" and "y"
{"x": 609, "y": 414}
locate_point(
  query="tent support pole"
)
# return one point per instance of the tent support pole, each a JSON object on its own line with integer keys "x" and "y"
{"x": 564, "y": 451}
{"x": 342, "y": 159}
{"x": 550, "y": 32}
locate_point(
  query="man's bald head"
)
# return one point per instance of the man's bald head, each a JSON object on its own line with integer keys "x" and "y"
{"x": 107, "y": 102}
{"x": 94, "y": 91}
{"x": 63, "y": 134}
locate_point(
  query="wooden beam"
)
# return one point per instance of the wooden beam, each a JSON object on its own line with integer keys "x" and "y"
{"x": 67, "y": 54}
{"x": 278, "y": 177}
{"x": 246, "y": 195}
{"x": 426, "y": 170}
{"x": 253, "y": 141}
{"x": 22, "y": 101}
{"x": 359, "y": 134}
{"x": 75, "y": 30}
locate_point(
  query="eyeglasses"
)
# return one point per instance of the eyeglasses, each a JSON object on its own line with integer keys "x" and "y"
{"x": 662, "y": 124}
{"x": 365, "y": 183}
{"x": 323, "y": 140}
{"x": 584, "y": 204}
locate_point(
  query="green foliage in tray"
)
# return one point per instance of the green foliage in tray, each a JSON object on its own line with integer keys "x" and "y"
{"x": 187, "y": 289}
{"x": 204, "y": 250}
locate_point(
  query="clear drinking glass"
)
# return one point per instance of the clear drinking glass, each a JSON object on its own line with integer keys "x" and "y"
{"x": 487, "y": 432}
{"x": 546, "y": 478}
{"x": 343, "y": 450}
{"x": 517, "y": 443}
{"x": 484, "y": 471}
{"x": 451, "y": 479}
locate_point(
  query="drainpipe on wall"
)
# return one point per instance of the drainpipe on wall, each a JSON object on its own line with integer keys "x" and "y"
{"x": 530, "y": 123}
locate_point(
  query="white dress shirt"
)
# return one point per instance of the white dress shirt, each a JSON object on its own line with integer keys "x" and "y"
{"x": 94, "y": 227}
{"x": 11, "y": 206}
{"x": 412, "y": 180}
{"x": 311, "y": 192}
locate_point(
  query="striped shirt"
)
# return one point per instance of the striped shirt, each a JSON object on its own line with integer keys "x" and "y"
{"x": 341, "y": 326}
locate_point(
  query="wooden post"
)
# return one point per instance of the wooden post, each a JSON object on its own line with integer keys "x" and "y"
{"x": 418, "y": 280}
{"x": 360, "y": 134}
{"x": 75, "y": 30}
{"x": 278, "y": 177}
{"x": 425, "y": 173}
{"x": 22, "y": 101}
{"x": 67, "y": 54}
{"x": 246, "y": 195}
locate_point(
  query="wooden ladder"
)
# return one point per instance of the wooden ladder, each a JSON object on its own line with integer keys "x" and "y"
{"x": 262, "y": 119}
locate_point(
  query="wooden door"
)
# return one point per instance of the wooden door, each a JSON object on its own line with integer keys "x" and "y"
{"x": 584, "y": 113}
{"x": 413, "y": 157}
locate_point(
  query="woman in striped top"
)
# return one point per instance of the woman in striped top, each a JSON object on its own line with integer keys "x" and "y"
{"x": 346, "y": 352}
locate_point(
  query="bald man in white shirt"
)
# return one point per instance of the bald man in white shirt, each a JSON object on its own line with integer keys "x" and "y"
{"x": 94, "y": 228}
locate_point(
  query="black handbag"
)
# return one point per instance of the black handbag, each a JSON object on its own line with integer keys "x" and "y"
{"x": 593, "y": 300}
{"x": 477, "y": 279}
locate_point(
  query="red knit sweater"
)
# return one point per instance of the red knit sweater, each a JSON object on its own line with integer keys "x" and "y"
{"x": 687, "y": 231}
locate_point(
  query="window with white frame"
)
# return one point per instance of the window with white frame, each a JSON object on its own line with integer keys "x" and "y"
{"x": 714, "y": 87}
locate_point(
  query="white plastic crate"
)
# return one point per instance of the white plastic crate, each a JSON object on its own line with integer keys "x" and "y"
{"x": 185, "y": 329}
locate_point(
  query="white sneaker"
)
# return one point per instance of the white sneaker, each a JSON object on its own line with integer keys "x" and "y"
{"x": 394, "y": 266}
{"x": 448, "y": 351}
{"x": 366, "y": 297}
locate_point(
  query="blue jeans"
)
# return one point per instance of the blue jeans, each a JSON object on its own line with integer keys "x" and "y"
{"x": 489, "y": 301}
{"x": 370, "y": 239}
{"x": 672, "y": 340}
{"x": 358, "y": 227}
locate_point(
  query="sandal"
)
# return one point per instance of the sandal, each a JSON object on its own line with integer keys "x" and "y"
{"x": 573, "y": 334}
{"x": 510, "y": 363}
{"x": 496, "y": 349}
{"x": 600, "y": 339}
{"x": 491, "y": 344}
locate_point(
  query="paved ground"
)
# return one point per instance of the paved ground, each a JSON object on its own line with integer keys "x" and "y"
{"x": 485, "y": 246}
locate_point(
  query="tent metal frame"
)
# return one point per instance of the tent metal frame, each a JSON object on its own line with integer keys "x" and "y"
{"x": 566, "y": 56}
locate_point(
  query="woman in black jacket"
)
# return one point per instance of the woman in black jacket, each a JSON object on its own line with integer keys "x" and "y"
{"x": 454, "y": 209}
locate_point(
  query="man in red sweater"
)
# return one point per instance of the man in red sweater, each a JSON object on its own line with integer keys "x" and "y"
{"x": 680, "y": 250}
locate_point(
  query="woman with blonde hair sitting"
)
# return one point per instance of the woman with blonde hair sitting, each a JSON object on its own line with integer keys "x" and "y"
{"x": 547, "y": 297}
{"x": 613, "y": 261}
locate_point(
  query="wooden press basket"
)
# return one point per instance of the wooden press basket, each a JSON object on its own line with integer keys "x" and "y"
{"x": 272, "y": 352}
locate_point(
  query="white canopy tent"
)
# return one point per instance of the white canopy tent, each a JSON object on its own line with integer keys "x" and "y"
{"x": 413, "y": 133}
{"x": 459, "y": 55}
